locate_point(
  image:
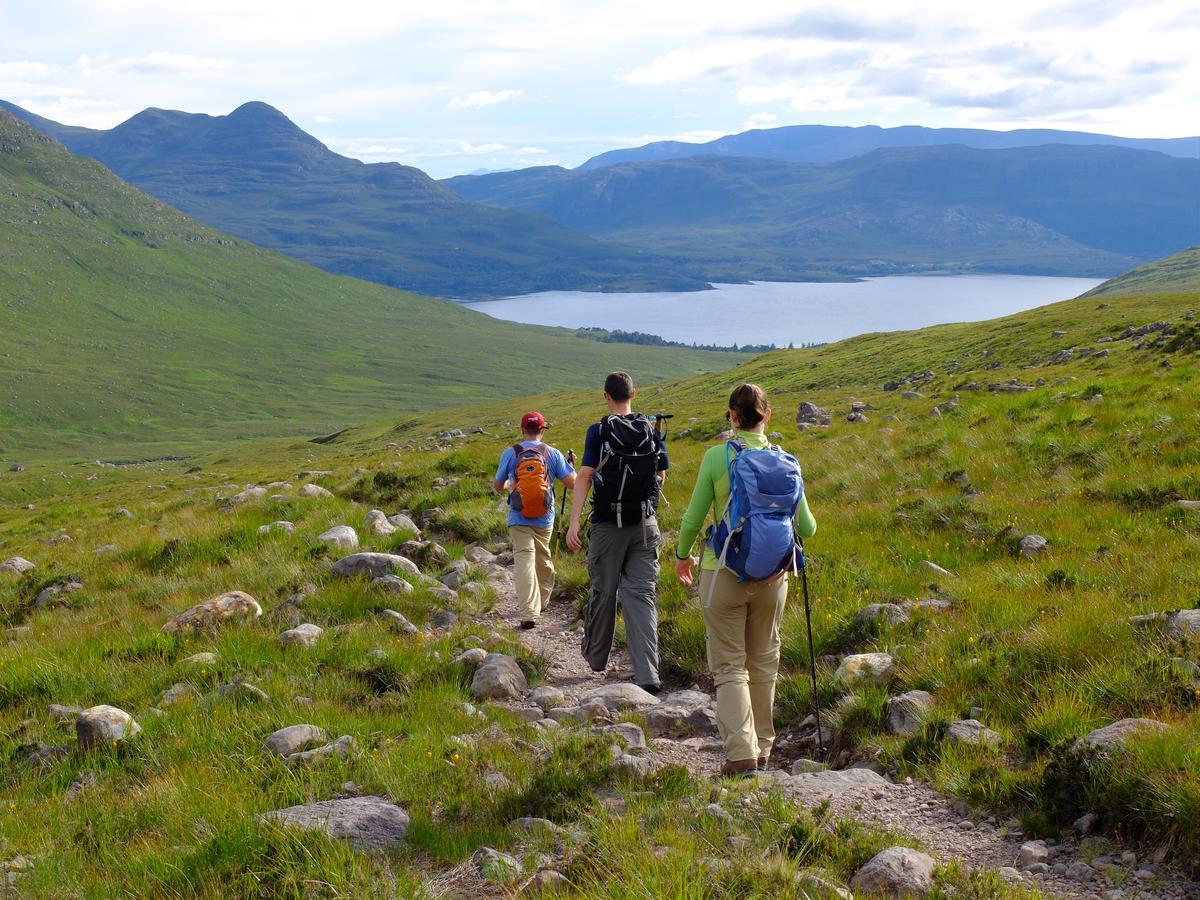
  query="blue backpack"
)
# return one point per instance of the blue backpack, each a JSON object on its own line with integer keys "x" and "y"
{"x": 756, "y": 538}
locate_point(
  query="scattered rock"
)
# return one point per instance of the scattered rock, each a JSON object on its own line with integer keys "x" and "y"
{"x": 471, "y": 658}
{"x": 972, "y": 731}
{"x": 17, "y": 565}
{"x": 620, "y": 696}
{"x": 104, "y": 725}
{"x": 313, "y": 490}
{"x": 718, "y": 812}
{"x": 875, "y": 668}
{"x": 64, "y": 715}
{"x": 496, "y": 866}
{"x": 856, "y": 417}
{"x": 404, "y": 523}
{"x": 397, "y": 622}
{"x": 806, "y": 766}
{"x": 912, "y": 395}
{"x": 393, "y": 584}
{"x": 443, "y": 619}
{"x": 810, "y": 414}
{"x": 935, "y": 568}
{"x": 906, "y": 712}
{"x": 378, "y": 523}
{"x": 242, "y": 690}
{"x": 888, "y": 613}
{"x": 548, "y": 881}
{"x": 230, "y": 606}
{"x": 341, "y": 747}
{"x": 1033, "y": 852}
{"x": 818, "y": 887}
{"x": 176, "y": 693}
{"x": 636, "y": 765}
{"x": 199, "y": 659}
{"x": 374, "y": 565}
{"x": 305, "y": 635}
{"x": 1033, "y": 545}
{"x": 286, "y": 527}
{"x": 896, "y": 872}
{"x": 340, "y": 537}
{"x": 1178, "y": 623}
{"x": 499, "y": 678}
{"x": 547, "y": 697}
{"x": 370, "y": 823}
{"x": 632, "y": 735}
{"x": 1182, "y": 504}
{"x": 430, "y": 554}
{"x": 47, "y": 596}
{"x": 812, "y": 788}
{"x": 250, "y": 494}
{"x": 1118, "y": 733}
{"x": 293, "y": 739}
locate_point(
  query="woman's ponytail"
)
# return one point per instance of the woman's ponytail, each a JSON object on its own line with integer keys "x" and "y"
{"x": 749, "y": 401}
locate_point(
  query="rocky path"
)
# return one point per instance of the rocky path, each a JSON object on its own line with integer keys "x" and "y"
{"x": 916, "y": 810}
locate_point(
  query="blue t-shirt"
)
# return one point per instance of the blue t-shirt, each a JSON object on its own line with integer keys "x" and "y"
{"x": 558, "y": 468}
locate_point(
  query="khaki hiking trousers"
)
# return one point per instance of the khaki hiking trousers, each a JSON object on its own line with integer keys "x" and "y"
{"x": 743, "y": 656}
{"x": 533, "y": 570}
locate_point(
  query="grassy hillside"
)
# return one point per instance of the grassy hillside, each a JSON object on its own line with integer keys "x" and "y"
{"x": 1093, "y": 456}
{"x": 1180, "y": 272}
{"x": 130, "y": 330}
{"x": 253, "y": 173}
{"x": 829, "y": 143}
{"x": 1042, "y": 210}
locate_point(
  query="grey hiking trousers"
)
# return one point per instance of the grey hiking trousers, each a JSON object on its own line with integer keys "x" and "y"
{"x": 623, "y": 565}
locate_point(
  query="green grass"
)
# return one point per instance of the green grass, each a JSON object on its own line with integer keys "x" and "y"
{"x": 1042, "y": 646}
{"x": 133, "y": 332}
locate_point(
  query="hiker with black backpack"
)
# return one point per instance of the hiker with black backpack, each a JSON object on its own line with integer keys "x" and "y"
{"x": 624, "y": 465}
{"x": 528, "y": 470}
{"x": 756, "y": 494}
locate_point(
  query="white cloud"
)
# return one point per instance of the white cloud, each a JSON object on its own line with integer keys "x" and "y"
{"x": 530, "y": 151}
{"x": 324, "y": 120}
{"x": 160, "y": 63}
{"x": 480, "y": 99}
{"x": 469, "y": 149}
{"x": 760, "y": 120}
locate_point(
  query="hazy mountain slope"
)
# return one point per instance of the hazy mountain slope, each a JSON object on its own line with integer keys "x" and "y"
{"x": 1180, "y": 272}
{"x": 255, "y": 174}
{"x": 829, "y": 143}
{"x": 1055, "y": 209}
{"x": 128, "y": 327}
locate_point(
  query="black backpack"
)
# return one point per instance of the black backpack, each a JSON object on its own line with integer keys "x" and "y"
{"x": 626, "y": 480}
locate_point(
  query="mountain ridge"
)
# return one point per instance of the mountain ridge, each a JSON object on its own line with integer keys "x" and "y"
{"x": 830, "y": 143}
{"x": 254, "y": 173}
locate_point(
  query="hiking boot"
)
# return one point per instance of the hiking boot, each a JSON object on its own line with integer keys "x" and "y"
{"x": 739, "y": 768}
{"x": 528, "y": 624}
{"x": 762, "y": 763}
{"x": 651, "y": 688}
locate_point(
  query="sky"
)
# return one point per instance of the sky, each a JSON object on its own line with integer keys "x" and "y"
{"x": 455, "y": 86}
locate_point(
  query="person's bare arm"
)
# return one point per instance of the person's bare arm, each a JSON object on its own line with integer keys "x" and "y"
{"x": 580, "y": 488}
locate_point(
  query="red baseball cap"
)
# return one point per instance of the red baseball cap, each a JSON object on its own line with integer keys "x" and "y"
{"x": 533, "y": 421}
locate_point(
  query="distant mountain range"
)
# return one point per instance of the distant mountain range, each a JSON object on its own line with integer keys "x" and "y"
{"x": 257, "y": 175}
{"x": 1057, "y": 209}
{"x": 830, "y": 143}
{"x": 128, "y": 328}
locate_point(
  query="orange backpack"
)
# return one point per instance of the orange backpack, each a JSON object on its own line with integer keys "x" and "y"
{"x": 531, "y": 495}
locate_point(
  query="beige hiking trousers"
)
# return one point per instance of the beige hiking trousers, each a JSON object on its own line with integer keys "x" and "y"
{"x": 533, "y": 569}
{"x": 743, "y": 655}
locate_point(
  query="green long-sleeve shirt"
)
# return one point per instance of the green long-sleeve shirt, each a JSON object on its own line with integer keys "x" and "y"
{"x": 711, "y": 493}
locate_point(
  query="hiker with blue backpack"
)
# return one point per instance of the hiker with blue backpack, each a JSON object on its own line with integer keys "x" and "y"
{"x": 756, "y": 494}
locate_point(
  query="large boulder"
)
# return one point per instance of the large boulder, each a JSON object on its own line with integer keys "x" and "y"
{"x": 313, "y": 490}
{"x": 250, "y": 494}
{"x": 857, "y": 785}
{"x": 374, "y": 565}
{"x": 48, "y": 596}
{"x": 896, "y": 872}
{"x": 404, "y": 522}
{"x": 101, "y": 726}
{"x": 866, "y": 668}
{"x": 619, "y": 696}
{"x": 499, "y": 678}
{"x": 1033, "y": 545}
{"x": 906, "y": 712}
{"x": 369, "y": 823}
{"x": 228, "y": 607}
{"x": 340, "y": 537}
{"x": 398, "y": 622}
{"x": 17, "y": 565}
{"x": 1179, "y": 623}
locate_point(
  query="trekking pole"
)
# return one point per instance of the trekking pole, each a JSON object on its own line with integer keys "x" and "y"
{"x": 562, "y": 507}
{"x": 812, "y": 656}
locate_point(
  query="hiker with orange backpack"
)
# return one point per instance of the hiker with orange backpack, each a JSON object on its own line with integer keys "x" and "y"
{"x": 528, "y": 470}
